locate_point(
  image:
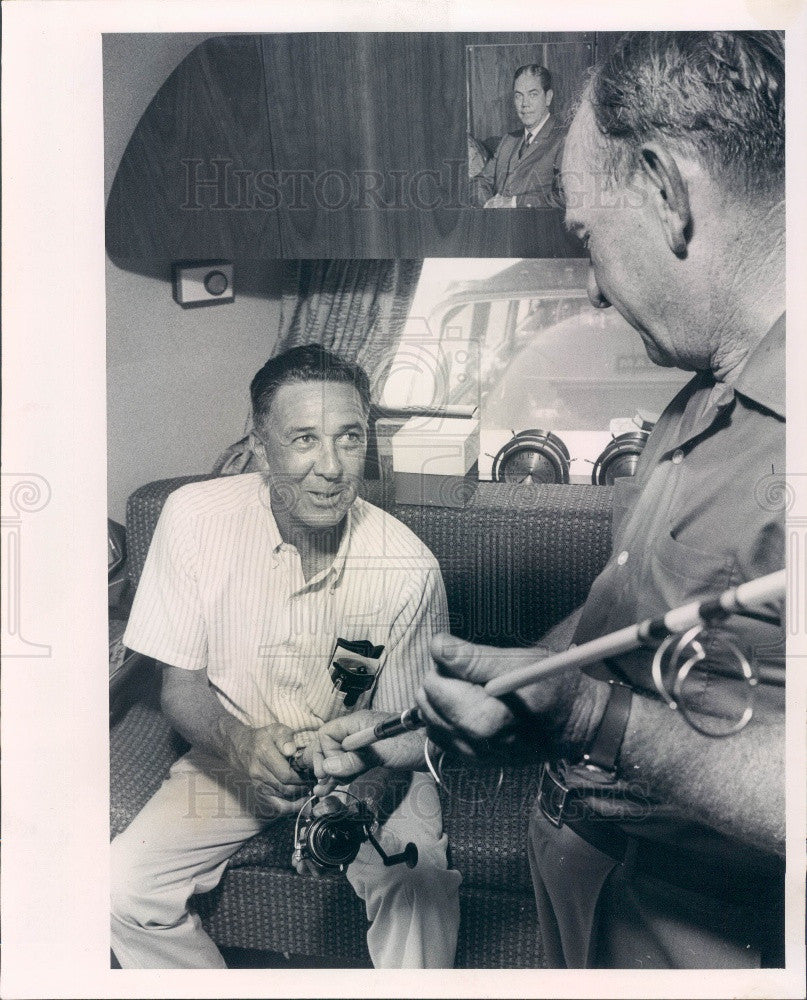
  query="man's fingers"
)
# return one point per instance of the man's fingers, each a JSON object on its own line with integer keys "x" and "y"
{"x": 476, "y": 663}
{"x": 328, "y": 805}
{"x": 285, "y": 738}
{"x": 470, "y": 662}
{"x": 462, "y": 707}
{"x": 430, "y": 715}
{"x": 337, "y": 729}
{"x": 440, "y": 731}
{"x": 332, "y": 761}
{"x": 261, "y": 776}
{"x": 324, "y": 786}
{"x": 317, "y": 757}
{"x": 270, "y": 758}
{"x": 343, "y": 765}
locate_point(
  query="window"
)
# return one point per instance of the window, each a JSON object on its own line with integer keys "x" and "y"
{"x": 520, "y": 342}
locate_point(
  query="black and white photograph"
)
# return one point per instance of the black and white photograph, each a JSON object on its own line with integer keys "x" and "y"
{"x": 527, "y": 91}
{"x": 455, "y": 557}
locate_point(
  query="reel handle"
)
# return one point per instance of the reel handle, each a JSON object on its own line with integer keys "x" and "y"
{"x": 408, "y": 856}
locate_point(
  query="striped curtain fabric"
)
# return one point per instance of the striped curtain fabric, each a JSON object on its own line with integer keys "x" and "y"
{"x": 354, "y": 308}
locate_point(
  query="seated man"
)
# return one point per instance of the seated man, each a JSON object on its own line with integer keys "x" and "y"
{"x": 521, "y": 174}
{"x": 249, "y": 582}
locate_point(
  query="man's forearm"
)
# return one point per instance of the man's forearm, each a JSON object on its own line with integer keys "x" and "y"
{"x": 735, "y": 784}
{"x": 198, "y": 715}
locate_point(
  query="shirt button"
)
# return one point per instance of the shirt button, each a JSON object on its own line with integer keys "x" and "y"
{"x": 622, "y": 558}
{"x": 678, "y": 456}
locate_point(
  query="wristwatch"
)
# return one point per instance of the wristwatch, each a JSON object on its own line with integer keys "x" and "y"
{"x": 606, "y": 744}
{"x": 598, "y": 772}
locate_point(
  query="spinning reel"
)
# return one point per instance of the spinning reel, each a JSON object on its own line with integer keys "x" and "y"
{"x": 332, "y": 841}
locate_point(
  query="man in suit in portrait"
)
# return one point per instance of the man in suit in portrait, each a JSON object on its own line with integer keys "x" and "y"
{"x": 521, "y": 172}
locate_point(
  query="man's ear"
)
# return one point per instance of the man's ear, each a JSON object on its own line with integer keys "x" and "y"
{"x": 259, "y": 451}
{"x": 549, "y": 95}
{"x": 669, "y": 193}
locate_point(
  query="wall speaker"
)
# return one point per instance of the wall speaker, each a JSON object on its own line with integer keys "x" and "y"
{"x": 619, "y": 458}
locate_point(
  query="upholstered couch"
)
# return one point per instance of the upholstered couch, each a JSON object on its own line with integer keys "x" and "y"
{"x": 515, "y": 561}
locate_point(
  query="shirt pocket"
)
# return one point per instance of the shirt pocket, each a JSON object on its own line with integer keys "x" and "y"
{"x": 324, "y": 699}
{"x": 682, "y": 573}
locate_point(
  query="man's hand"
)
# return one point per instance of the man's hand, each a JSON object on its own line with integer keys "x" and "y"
{"x": 261, "y": 755}
{"x": 255, "y": 754}
{"x": 334, "y": 765}
{"x": 461, "y": 716}
{"x": 500, "y": 201}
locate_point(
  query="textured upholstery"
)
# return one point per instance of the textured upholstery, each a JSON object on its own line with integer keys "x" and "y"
{"x": 515, "y": 561}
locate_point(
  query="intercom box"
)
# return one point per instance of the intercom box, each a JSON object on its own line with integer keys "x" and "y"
{"x": 203, "y": 283}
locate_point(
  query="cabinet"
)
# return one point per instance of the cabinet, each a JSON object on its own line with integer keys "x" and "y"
{"x": 328, "y": 145}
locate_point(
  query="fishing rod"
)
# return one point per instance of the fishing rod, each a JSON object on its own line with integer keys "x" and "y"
{"x": 650, "y": 632}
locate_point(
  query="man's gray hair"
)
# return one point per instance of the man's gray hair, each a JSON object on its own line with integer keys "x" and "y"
{"x": 716, "y": 95}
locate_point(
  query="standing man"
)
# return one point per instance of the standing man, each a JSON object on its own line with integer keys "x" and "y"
{"x": 669, "y": 853}
{"x": 523, "y": 169}
{"x": 653, "y": 845}
{"x": 249, "y": 582}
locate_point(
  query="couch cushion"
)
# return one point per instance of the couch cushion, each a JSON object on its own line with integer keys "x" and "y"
{"x": 486, "y": 823}
{"x": 142, "y": 748}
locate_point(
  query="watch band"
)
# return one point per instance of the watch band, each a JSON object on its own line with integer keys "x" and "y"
{"x": 603, "y": 752}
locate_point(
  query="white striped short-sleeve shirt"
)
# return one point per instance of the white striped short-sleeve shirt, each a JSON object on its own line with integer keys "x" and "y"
{"x": 221, "y": 590}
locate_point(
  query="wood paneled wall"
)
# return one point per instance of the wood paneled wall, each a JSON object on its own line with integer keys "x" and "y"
{"x": 322, "y": 145}
{"x": 207, "y": 121}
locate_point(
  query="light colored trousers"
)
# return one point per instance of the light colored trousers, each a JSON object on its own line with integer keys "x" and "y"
{"x": 180, "y": 842}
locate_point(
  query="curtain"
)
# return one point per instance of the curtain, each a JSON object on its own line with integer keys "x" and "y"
{"x": 354, "y": 308}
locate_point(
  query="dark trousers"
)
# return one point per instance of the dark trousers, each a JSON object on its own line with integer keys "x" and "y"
{"x": 599, "y": 913}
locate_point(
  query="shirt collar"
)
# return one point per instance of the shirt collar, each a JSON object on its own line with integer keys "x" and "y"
{"x": 762, "y": 377}
{"x": 276, "y": 539}
{"x": 536, "y": 129}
